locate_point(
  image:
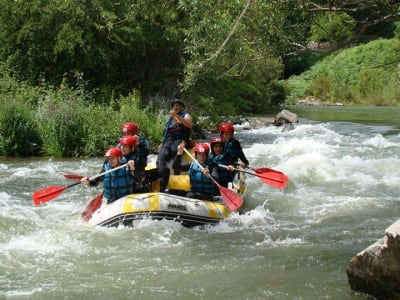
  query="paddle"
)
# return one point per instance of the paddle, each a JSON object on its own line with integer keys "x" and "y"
{"x": 92, "y": 207}
{"x": 73, "y": 177}
{"x": 269, "y": 176}
{"x": 49, "y": 193}
{"x": 232, "y": 200}
{"x": 272, "y": 177}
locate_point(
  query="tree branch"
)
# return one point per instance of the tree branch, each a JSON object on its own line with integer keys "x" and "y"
{"x": 219, "y": 50}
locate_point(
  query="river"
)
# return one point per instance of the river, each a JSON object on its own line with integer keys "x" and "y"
{"x": 343, "y": 192}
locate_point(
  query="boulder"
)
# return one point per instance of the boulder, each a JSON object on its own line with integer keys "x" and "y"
{"x": 376, "y": 270}
{"x": 286, "y": 119}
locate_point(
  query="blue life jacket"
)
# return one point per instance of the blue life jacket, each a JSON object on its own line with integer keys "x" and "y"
{"x": 200, "y": 183}
{"x": 225, "y": 176}
{"x": 117, "y": 183}
{"x": 140, "y": 153}
{"x": 178, "y": 131}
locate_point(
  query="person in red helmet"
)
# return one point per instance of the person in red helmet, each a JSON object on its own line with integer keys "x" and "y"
{"x": 222, "y": 158}
{"x": 118, "y": 183}
{"x": 142, "y": 147}
{"x": 232, "y": 145}
{"x": 201, "y": 186}
{"x": 128, "y": 146}
{"x": 130, "y": 128}
{"x": 178, "y": 129}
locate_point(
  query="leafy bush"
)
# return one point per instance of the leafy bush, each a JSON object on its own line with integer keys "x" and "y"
{"x": 60, "y": 115}
{"x": 355, "y": 74}
{"x": 102, "y": 124}
{"x": 18, "y": 131}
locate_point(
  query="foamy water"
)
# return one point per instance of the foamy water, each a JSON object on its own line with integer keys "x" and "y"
{"x": 295, "y": 243}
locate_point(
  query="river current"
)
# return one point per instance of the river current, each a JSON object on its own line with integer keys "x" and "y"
{"x": 343, "y": 192}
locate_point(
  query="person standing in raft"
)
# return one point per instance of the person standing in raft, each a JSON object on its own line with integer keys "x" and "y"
{"x": 118, "y": 183}
{"x": 220, "y": 158}
{"x": 201, "y": 186}
{"x": 178, "y": 129}
{"x": 232, "y": 146}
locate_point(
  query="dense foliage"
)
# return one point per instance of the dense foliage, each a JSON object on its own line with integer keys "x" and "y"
{"x": 73, "y": 71}
{"x": 362, "y": 74}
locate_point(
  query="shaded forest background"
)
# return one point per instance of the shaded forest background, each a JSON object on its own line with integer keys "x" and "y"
{"x": 72, "y": 72}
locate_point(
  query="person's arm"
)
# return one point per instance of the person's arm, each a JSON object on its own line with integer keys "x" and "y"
{"x": 241, "y": 154}
{"x": 186, "y": 121}
{"x": 94, "y": 182}
{"x": 214, "y": 171}
{"x": 143, "y": 145}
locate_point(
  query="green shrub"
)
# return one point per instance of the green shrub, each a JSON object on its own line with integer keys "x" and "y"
{"x": 321, "y": 87}
{"x": 356, "y": 75}
{"x": 60, "y": 117}
{"x": 18, "y": 131}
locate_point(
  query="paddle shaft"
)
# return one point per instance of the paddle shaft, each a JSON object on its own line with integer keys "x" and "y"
{"x": 108, "y": 171}
{"x": 49, "y": 193}
{"x": 254, "y": 174}
{"x": 271, "y": 177}
{"x": 201, "y": 167}
{"x": 232, "y": 200}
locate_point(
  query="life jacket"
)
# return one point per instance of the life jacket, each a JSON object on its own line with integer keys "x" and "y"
{"x": 231, "y": 149}
{"x": 200, "y": 183}
{"x": 117, "y": 183}
{"x": 140, "y": 154}
{"x": 225, "y": 176}
{"x": 177, "y": 130}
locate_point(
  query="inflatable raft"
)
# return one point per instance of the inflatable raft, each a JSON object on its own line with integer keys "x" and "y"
{"x": 172, "y": 206}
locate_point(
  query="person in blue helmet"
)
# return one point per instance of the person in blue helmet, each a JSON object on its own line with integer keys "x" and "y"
{"x": 177, "y": 129}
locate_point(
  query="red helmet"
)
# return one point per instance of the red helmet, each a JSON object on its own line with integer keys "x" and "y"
{"x": 128, "y": 140}
{"x": 113, "y": 152}
{"x": 202, "y": 148}
{"x": 226, "y": 127}
{"x": 130, "y": 128}
{"x": 215, "y": 140}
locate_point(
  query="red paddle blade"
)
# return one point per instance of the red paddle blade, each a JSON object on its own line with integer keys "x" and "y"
{"x": 232, "y": 200}
{"x": 92, "y": 207}
{"x": 73, "y": 177}
{"x": 47, "y": 194}
{"x": 272, "y": 177}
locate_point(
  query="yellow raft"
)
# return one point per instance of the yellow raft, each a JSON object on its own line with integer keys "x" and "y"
{"x": 156, "y": 205}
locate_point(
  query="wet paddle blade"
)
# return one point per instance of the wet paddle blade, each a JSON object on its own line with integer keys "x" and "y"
{"x": 92, "y": 207}
{"x": 47, "y": 194}
{"x": 232, "y": 200}
{"x": 272, "y": 177}
{"x": 74, "y": 177}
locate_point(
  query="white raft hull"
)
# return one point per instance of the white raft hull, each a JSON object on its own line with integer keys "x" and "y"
{"x": 189, "y": 212}
{"x": 156, "y": 205}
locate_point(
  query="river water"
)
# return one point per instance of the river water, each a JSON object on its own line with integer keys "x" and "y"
{"x": 343, "y": 192}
